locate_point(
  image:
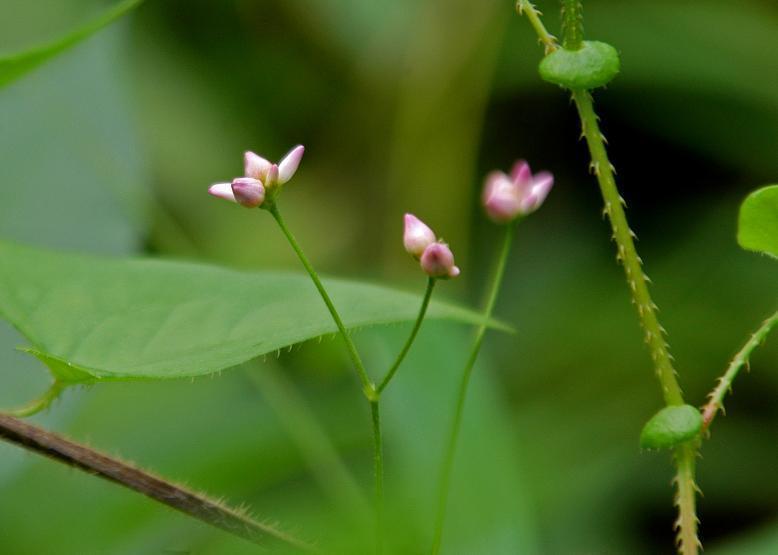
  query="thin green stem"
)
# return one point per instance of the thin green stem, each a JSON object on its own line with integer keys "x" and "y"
{"x": 368, "y": 388}
{"x": 626, "y": 252}
{"x": 528, "y": 9}
{"x": 378, "y": 463}
{"x": 367, "y": 385}
{"x": 448, "y": 459}
{"x": 41, "y": 403}
{"x": 407, "y": 347}
{"x": 716, "y": 397}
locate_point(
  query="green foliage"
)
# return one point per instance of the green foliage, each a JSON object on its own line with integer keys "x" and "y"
{"x": 14, "y": 66}
{"x": 670, "y": 427}
{"x": 758, "y": 221}
{"x": 593, "y": 65}
{"x": 91, "y": 318}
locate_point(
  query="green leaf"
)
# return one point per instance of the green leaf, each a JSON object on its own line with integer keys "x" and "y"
{"x": 91, "y": 318}
{"x": 758, "y": 221}
{"x": 671, "y": 426}
{"x": 14, "y": 66}
{"x": 593, "y": 65}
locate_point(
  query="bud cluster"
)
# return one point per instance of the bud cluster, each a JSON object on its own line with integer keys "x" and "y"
{"x": 434, "y": 256}
{"x": 262, "y": 179}
{"x": 505, "y": 198}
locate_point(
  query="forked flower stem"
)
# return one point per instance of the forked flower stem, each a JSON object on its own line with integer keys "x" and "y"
{"x": 196, "y": 505}
{"x": 368, "y": 387}
{"x": 416, "y": 326}
{"x": 716, "y": 397}
{"x": 451, "y": 446}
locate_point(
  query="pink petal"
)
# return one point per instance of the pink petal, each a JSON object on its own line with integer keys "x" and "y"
{"x": 541, "y": 186}
{"x": 501, "y": 198}
{"x": 521, "y": 175}
{"x": 289, "y": 164}
{"x": 255, "y": 166}
{"x": 222, "y": 190}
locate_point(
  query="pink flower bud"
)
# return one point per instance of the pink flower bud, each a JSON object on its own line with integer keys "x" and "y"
{"x": 289, "y": 164}
{"x": 222, "y": 190}
{"x": 417, "y": 236}
{"x": 437, "y": 261}
{"x": 255, "y": 166}
{"x": 506, "y": 198}
{"x": 248, "y": 191}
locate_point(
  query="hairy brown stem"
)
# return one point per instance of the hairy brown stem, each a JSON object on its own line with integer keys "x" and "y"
{"x": 196, "y": 505}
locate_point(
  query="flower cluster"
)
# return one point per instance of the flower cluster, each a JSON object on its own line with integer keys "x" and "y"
{"x": 434, "y": 256}
{"x": 506, "y": 198}
{"x": 262, "y": 178}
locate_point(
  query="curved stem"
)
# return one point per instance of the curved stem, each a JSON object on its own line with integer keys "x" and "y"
{"x": 367, "y": 385}
{"x": 368, "y": 388}
{"x": 416, "y": 326}
{"x": 448, "y": 459}
{"x": 196, "y": 505}
{"x": 41, "y": 403}
{"x": 716, "y": 397}
{"x": 527, "y": 8}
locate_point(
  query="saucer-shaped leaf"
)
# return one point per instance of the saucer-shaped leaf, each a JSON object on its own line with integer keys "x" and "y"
{"x": 591, "y": 66}
{"x": 758, "y": 221}
{"x": 671, "y": 426}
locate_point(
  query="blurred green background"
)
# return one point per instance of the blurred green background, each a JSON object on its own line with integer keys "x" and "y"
{"x": 403, "y": 106}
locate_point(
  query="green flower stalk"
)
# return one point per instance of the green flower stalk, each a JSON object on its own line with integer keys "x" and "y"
{"x": 580, "y": 69}
{"x": 506, "y": 199}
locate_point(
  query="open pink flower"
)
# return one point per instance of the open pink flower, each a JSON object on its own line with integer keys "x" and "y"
{"x": 505, "y": 198}
{"x": 260, "y": 177}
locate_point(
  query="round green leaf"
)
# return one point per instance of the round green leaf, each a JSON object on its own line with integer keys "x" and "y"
{"x": 758, "y": 221}
{"x": 671, "y": 426}
{"x": 591, "y": 66}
